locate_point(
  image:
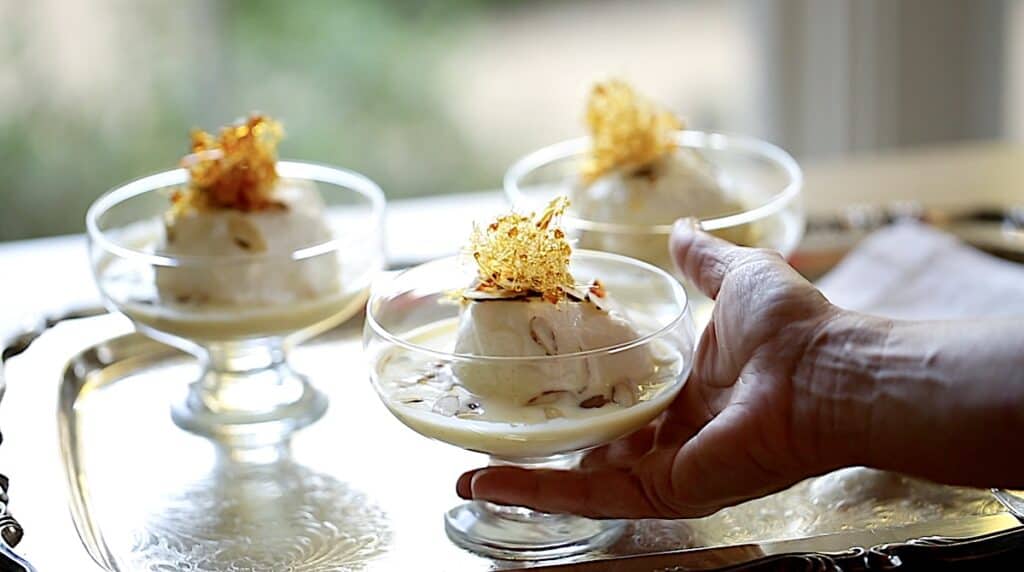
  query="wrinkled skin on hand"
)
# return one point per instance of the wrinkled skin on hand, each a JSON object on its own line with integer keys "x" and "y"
{"x": 746, "y": 423}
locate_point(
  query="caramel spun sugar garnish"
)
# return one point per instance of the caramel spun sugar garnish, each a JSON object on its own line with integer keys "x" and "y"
{"x": 524, "y": 254}
{"x": 234, "y": 170}
{"x": 628, "y": 130}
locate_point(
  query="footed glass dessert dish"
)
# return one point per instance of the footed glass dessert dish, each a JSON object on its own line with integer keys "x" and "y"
{"x": 238, "y": 285}
{"x": 640, "y": 170}
{"x": 529, "y": 379}
{"x": 764, "y": 208}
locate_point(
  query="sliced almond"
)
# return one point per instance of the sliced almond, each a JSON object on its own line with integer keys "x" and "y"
{"x": 624, "y": 394}
{"x": 590, "y": 375}
{"x": 470, "y": 409}
{"x": 492, "y": 294}
{"x": 598, "y": 296}
{"x": 576, "y": 293}
{"x": 447, "y": 406}
{"x": 543, "y": 335}
{"x": 594, "y": 402}
{"x": 246, "y": 235}
{"x": 553, "y": 413}
{"x": 169, "y": 231}
{"x": 547, "y": 397}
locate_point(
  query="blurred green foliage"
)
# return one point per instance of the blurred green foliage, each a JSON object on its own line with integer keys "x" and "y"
{"x": 355, "y": 84}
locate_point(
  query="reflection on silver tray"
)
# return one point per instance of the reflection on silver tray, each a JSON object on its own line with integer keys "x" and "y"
{"x": 358, "y": 491}
{"x": 278, "y": 515}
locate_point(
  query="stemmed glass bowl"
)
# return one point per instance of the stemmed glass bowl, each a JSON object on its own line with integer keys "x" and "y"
{"x": 762, "y": 177}
{"x": 410, "y": 336}
{"x": 247, "y": 394}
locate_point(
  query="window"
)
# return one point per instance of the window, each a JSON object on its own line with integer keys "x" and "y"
{"x": 425, "y": 98}
{"x": 439, "y": 97}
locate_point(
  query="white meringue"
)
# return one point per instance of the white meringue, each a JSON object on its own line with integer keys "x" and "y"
{"x": 269, "y": 276}
{"x": 532, "y": 326}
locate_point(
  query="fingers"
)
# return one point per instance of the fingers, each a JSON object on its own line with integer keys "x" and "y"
{"x": 725, "y": 348}
{"x": 716, "y": 368}
{"x": 719, "y": 359}
{"x": 621, "y": 453}
{"x": 687, "y": 415}
{"x": 723, "y": 464}
{"x": 704, "y": 259}
{"x": 606, "y": 493}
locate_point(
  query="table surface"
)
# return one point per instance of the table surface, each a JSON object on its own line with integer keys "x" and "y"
{"x": 46, "y": 276}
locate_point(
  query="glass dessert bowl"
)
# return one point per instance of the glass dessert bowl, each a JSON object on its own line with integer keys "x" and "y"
{"x": 640, "y": 170}
{"x": 237, "y": 286}
{"x": 528, "y": 377}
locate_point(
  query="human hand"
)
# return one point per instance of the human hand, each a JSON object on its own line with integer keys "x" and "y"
{"x": 748, "y": 421}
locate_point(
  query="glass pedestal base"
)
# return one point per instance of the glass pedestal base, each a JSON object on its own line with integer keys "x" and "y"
{"x": 248, "y": 396}
{"x": 516, "y": 533}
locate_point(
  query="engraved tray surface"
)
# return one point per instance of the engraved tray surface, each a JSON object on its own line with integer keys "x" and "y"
{"x": 362, "y": 492}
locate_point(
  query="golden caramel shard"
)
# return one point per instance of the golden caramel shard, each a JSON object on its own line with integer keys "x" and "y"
{"x": 524, "y": 254}
{"x": 234, "y": 170}
{"x": 628, "y": 130}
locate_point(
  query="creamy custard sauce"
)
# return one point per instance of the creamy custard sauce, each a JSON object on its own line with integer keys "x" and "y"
{"x": 222, "y": 322}
{"x": 424, "y": 393}
{"x": 248, "y": 304}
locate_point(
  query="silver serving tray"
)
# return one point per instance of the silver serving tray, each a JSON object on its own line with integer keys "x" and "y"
{"x": 404, "y": 500}
{"x": 359, "y": 491}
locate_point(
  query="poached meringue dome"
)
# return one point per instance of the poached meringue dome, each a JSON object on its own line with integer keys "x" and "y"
{"x": 503, "y": 317}
{"x": 274, "y": 280}
{"x": 637, "y": 175}
{"x": 237, "y": 207}
{"x": 535, "y": 327}
{"x": 679, "y": 184}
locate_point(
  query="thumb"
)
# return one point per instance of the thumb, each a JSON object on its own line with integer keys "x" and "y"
{"x": 703, "y": 258}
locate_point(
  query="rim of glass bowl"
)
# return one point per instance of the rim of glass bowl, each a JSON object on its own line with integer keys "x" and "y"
{"x": 674, "y": 284}
{"x": 337, "y": 176}
{"x": 693, "y": 139}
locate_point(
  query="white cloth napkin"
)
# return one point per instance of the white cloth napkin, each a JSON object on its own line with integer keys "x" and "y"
{"x": 915, "y": 272}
